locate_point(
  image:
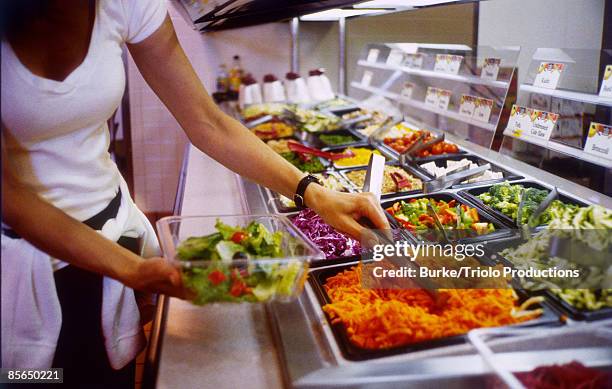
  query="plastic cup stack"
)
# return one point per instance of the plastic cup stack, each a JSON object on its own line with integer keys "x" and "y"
{"x": 319, "y": 86}
{"x": 273, "y": 89}
{"x": 297, "y": 91}
{"x": 250, "y": 92}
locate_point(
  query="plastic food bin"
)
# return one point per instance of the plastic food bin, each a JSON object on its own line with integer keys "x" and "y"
{"x": 238, "y": 278}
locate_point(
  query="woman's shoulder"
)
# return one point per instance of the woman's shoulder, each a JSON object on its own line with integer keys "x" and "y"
{"x": 136, "y": 19}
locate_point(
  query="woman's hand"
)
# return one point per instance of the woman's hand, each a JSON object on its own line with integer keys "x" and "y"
{"x": 158, "y": 275}
{"x": 343, "y": 210}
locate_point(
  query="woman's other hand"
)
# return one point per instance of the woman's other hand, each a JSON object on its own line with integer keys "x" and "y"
{"x": 158, "y": 275}
{"x": 344, "y": 210}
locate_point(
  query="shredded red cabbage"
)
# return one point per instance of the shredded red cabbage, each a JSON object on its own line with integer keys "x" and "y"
{"x": 569, "y": 375}
{"x": 333, "y": 243}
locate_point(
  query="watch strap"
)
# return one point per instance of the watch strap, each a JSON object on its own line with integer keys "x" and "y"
{"x": 298, "y": 198}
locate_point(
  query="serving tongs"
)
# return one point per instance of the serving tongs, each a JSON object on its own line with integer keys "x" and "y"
{"x": 345, "y": 123}
{"x": 418, "y": 145}
{"x": 373, "y": 184}
{"x": 459, "y": 175}
{"x": 258, "y": 121}
{"x": 400, "y": 181}
{"x": 300, "y": 148}
{"x": 528, "y": 228}
{"x": 432, "y": 212}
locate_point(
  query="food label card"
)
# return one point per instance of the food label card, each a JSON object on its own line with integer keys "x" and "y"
{"x": 431, "y": 98}
{"x": 599, "y": 141}
{"x": 447, "y": 63}
{"x": 482, "y": 109}
{"x": 490, "y": 69}
{"x": 443, "y": 98}
{"x": 407, "y": 90}
{"x": 520, "y": 121}
{"x": 548, "y": 75}
{"x": 543, "y": 124}
{"x": 466, "y": 106}
{"x": 413, "y": 61}
{"x": 606, "y": 84}
{"x": 373, "y": 55}
{"x": 395, "y": 57}
{"x": 367, "y": 78}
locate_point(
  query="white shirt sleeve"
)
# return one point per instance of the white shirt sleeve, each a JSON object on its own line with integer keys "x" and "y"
{"x": 142, "y": 18}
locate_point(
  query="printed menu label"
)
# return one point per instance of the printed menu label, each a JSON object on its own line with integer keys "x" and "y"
{"x": 543, "y": 124}
{"x": 373, "y": 55}
{"x": 466, "y": 106}
{"x": 395, "y": 57}
{"x": 548, "y": 75}
{"x": 606, "y": 83}
{"x": 431, "y": 98}
{"x": 443, "y": 98}
{"x": 413, "y": 61}
{"x": 367, "y": 78}
{"x": 520, "y": 121}
{"x": 407, "y": 90}
{"x": 490, "y": 69}
{"x": 599, "y": 141}
{"x": 482, "y": 109}
{"x": 447, "y": 63}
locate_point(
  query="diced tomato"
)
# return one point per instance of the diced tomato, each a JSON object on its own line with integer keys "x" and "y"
{"x": 238, "y": 236}
{"x": 216, "y": 277}
{"x": 238, "y": 288}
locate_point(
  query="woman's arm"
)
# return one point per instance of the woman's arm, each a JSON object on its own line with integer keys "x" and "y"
{"x": 167, "y": 70}
{"x": 54, "y": 232}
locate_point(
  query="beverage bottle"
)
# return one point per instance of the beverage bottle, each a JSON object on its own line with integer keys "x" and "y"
{"x": 222, "y": 79}
{"x": 235, "y": 74}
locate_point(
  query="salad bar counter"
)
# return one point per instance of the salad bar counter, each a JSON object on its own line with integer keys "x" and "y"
{"x": 320, "y": 328}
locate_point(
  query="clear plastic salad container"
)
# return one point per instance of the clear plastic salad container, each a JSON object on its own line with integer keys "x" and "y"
{"x": 238, "y": 258}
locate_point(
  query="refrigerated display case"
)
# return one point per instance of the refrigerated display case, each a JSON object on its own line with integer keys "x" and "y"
{"x": 315, "y": 351}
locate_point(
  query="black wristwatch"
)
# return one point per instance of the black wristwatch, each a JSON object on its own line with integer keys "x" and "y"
{"x": 298, "y": 198}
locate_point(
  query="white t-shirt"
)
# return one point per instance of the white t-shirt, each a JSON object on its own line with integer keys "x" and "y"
{"x": 55, "y": 132}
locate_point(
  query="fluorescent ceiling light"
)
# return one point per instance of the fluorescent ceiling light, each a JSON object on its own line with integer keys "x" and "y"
{"x": 400, "y": 3}
{"x": 337, "y": 13}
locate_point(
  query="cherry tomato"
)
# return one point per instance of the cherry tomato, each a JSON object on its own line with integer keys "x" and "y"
{"x": 238, "y": 236}
{"x": 216, "y": 277}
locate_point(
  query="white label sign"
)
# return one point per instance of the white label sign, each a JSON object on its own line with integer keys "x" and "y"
{"x": 407, "y": 90}
{"x": 413, "y": 61}
{"x": 606, "y": 83}
{"x": 466, "y": 106}
{"x": 519, "y": 122}
{"x": 373, "y": 55}
{"x": 482, "y": 109}
{"x": 543, "y": 124}
{"x": 599, "y": 141}
{"x": 447, "y": 63}
{"x": 395, "y": 57}
{"x": 490, "y": 69}
{"x": 443, "y": 98}
{"x": 431, "y": 98}
{"x": 367, "y": 78}
{"x": 548, "y": 75}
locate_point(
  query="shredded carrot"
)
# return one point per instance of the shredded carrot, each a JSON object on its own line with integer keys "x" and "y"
{"x": 384, "y": 318}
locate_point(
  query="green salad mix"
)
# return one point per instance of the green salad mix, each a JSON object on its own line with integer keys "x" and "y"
{"x": 591, "y": 226}
{"x": 228, "y": 274}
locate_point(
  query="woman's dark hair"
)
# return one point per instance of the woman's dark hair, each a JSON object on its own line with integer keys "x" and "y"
{"x": 13, "y": 13}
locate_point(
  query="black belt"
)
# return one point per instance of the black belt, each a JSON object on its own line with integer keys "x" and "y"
{"x": 96, "y": 222}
